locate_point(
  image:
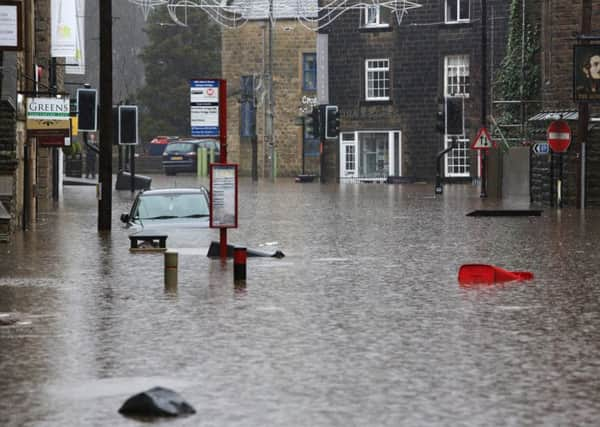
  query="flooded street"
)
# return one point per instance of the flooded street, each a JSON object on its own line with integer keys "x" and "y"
{"x": 363, "y": 323}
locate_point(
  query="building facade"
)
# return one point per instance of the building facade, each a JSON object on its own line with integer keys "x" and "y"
{"x": 397, "y": 79}
{"x": 26, "y": 167}
{"x": 292, "y": 58}
{"x": 562, "y": 29}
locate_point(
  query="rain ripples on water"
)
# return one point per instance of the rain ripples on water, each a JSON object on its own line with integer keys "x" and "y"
{"x": 362, "y": 323}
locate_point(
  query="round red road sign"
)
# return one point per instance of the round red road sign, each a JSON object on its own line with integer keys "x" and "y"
{"x": 559, "y": 136}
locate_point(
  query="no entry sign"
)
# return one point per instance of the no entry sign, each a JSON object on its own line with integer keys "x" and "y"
{"x": 559, "y": 136}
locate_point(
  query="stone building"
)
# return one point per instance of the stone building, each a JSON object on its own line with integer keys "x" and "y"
{"x": 26, "y": 167}
{"x": 561, "y": 23}
{"x": 391, "y": 78}
{"x": 246, "y": 53}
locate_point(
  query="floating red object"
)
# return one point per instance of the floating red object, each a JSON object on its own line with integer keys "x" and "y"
{"x": 485, "y": 273}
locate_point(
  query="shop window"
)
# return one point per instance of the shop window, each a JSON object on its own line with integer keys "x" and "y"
{"x": 374, "y": 154}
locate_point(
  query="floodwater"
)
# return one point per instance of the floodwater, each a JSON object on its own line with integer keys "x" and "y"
{"x": 363, "y": 323}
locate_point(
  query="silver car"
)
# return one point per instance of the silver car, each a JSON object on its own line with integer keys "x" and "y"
{"x": 172, "y": 212}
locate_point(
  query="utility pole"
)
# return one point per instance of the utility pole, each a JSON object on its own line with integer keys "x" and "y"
{"x": 584, "y": 110}
{"x": 106, "y": 118}
{"x": 269, "y": 130}
{"x": 483, "y": 92}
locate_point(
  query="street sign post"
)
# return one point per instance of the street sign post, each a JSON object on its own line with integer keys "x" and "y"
{"x": 541, "y": 148}
{"x": 559, "y": 136}
{"x": 559, "y": 139}
{"x": 483, "y": 142}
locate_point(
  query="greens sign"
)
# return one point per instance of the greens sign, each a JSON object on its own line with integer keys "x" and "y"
{"x": 48, "y": 116}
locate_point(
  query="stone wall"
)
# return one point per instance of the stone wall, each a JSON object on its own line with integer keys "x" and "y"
{"x": 245, "y": 52}
{"x": 416, "y": 48}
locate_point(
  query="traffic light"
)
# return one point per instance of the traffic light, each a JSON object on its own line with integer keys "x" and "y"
{"x": 309, "y": 126}
{"x": 87, "y": 110}
{"x": 454, "y": 115}
{"x": 315, "y": 119}
{"x": 128, "y": 125}
{"x": 332, "y": 121}
{"x": 440, "y": 117}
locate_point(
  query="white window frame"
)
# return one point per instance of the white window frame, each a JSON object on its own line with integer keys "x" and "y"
{"x": 352, "y": 139}
{"x": 458, "y": 12}
{"x": 459, "y": 65}
{"x": 459, "y": 158}
{"x": 454, "y": 158}
{"x": 376, "y": 9}
{"x": 370, "y": 71}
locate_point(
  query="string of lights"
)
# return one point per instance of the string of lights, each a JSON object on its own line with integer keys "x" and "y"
{"x": 311, "y": 14}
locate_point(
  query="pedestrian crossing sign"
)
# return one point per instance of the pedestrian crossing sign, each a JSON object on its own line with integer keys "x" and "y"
{"x": 483, "y": 141}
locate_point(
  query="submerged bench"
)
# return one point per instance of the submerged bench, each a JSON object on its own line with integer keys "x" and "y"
{"x": 147, "y": 242}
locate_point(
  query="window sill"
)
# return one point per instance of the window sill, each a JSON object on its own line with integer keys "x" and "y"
{"x": 456, "y": 24}
{"x": 382, "y": 28}
{"x": 365, "y": 102}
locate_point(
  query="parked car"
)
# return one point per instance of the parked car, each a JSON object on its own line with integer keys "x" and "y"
{"x": 168, "y": 209}
{"x": 157, "y": 145}
{"x": 182, "y": 155}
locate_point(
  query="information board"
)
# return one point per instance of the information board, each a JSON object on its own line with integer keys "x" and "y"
{"x": 223, "y": 195}
{"x": 204, "y": 107}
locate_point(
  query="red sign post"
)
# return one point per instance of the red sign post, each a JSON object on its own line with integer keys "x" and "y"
{"x": 559, "y": 136}
{"x": 559, "y": 139}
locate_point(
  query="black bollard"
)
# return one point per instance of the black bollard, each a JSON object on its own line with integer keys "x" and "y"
{"x": 239, "y": 263}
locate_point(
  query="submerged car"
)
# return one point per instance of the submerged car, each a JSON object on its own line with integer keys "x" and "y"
{"x": 182, "y": 155}
{"x": 168, "y": 209}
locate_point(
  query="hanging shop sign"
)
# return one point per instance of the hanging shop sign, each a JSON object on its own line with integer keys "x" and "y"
{"x": 48, "y": 116}
{"x": 586, "y": 73}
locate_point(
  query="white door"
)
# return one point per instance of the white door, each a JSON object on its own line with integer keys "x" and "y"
{"x": 348, "y": 155}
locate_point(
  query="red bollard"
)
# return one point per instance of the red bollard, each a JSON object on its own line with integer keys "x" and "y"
{"x": 239, "y": 263}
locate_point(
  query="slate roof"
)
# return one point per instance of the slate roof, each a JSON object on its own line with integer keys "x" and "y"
{"x": 282, "y": 9}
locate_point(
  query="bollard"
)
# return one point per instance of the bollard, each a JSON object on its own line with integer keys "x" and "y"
{"x": 171, "y": 266}
{"x": 239, "y": 263}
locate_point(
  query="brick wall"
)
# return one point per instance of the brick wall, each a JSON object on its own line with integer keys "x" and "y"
{"x": 561, "y": 19}
{"x": 245, "y": 50}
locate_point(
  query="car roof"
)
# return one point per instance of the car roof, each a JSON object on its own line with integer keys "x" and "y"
{"x": 162, "y": 191}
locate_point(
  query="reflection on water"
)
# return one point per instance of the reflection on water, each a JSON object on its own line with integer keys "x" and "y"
{"x": 362, "y": 323}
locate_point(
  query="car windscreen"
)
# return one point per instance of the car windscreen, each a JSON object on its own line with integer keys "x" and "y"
{"x": 180, "y": 147}
{"x": 165, "y": 206}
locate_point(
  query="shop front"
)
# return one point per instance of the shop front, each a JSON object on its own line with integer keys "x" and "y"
{"x": 370, "y": 156}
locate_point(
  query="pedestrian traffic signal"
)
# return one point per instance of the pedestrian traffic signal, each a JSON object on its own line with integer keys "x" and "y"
{"x": 309, "y": 126}
{"x": 315, "y": 117}
{"x": 87, "y": 110}
{"x": 440, "y": 117}
{"x": 454, "y": 115}
{"x": 128, "y": 125}
{"x": 332, "y": 121}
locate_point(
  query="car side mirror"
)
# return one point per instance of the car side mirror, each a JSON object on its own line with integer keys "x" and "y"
{"x": 125, "y": 218}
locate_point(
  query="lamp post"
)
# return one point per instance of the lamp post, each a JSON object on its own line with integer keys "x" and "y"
{"x": 483, "y": 93}
{"x": 106, "y": 118}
